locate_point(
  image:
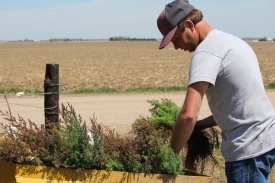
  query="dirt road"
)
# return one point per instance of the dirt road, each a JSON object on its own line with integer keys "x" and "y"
{"x": 117, "y": 111}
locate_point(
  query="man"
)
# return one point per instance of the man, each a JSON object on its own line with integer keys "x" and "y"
{"x": 226, "y": 70}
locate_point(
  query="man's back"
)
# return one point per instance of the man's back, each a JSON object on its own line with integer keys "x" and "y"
{"x": 236, "y": 96}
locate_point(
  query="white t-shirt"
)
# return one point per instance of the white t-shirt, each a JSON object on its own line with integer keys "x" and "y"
{"x": 236, "y": 95}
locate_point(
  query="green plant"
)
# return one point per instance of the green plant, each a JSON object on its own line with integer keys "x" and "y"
{"x": 75, "y": 147}
{"x": 67, "y": 144}
{"x": 60, "y": 145}
{"x": 200, "y": 147}
{"x": 28, "y": 144}
{"x": 146, "y": 152}
{"x": 163, "y": 113}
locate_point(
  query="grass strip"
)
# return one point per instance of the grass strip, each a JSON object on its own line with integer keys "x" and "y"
{"x": 270, "y": 86}
{"x": 106, "y": 90}
{"x": 130, "y": 90}
{"x": 14, "y": 90}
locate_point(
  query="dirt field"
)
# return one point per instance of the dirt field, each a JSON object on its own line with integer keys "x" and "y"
{"x": 119, "y": 65}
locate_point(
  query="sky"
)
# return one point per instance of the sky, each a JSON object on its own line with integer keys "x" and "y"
{"x": 102, "y": 19}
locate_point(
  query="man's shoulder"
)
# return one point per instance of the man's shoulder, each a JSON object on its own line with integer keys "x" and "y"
{"x": 218, "y": 43}
{"x": 215, "y": 32}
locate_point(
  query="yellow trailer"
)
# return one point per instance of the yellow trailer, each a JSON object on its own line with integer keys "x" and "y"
{"x": 15, "y": 173}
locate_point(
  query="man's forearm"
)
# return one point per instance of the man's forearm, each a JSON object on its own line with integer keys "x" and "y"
{"x": 206, "y": 123}
{"x": 181, "y": 132}
{"x": 188, "y": 115}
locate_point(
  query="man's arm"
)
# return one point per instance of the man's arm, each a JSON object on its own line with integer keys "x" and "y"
{"x": 188, "y": 115}
{"x": 206, "y": 123}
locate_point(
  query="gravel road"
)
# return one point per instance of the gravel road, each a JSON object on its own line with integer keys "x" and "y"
{"x": 117, "y": 111}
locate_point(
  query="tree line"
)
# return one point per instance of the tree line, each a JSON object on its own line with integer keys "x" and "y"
{"x": 121, "y": 38}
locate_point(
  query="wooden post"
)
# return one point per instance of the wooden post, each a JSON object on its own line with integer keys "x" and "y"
{"x": 51, "y": 96}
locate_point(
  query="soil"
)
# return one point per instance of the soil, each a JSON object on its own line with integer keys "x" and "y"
{"x": 117, "y": 111}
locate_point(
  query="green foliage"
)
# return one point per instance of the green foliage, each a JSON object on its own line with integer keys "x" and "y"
{"x": 270, "y": 86}
{"x": 164, "y": 113}
{"x": 113, "y": 164}
{"x": 74, "y": 146}
{"x": 171, "y": 162}
{"x": 65, "y": 145}
{"x": 155, "y": 132}
{"x": 142, "y": 153}
{"x": 200, "y": 146}
{"x": 162, "y": 158}
{"x": 68, "y": 145}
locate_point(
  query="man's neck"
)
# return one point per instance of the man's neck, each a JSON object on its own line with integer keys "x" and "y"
{"x": 203, "y": 29}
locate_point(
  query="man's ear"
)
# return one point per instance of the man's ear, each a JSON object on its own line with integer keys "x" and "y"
{"x": 189, "y": 24}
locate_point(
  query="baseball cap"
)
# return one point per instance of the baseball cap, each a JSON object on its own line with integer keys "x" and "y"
{"x": 170, "y": 17}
